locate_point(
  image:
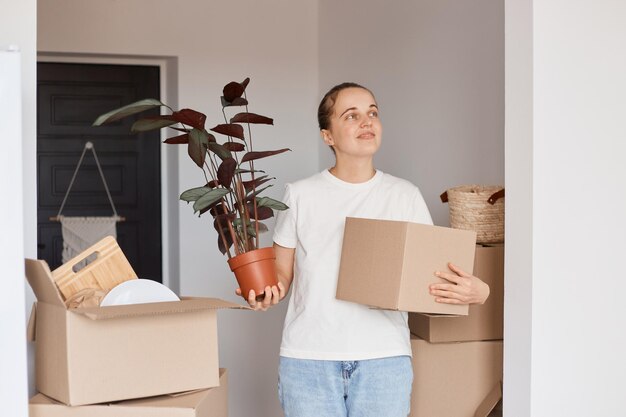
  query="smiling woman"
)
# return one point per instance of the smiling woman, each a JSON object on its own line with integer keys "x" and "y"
{"x": 356, "y": 358}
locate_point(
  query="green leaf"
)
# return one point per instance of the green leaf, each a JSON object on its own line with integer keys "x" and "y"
{"x": 252, "y": 231}
{"x": 271, "y": 203}
{"x": 194, "y": 193}
{"x": 128, "y": 110}
{"x": 209, "y": 198}
{"x": 152, "y": 123}
{"x": 220, "y": 151}
{"x": 198, "y": 144}
{"x": 250, "y": 196}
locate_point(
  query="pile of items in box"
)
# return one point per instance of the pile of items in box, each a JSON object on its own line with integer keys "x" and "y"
{"x": 140, "y": 360}
{"x": 457, "y": 350}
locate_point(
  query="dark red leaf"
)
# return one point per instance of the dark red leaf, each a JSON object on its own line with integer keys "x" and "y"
{"x": 231, "y": 129}
{"x": 222, "y": 220}
{"x": 190, "y": 117}
{"x": 180, "y": 129}
{"x": 239, "y": 101}
{"x": 262, "y": 212}
{"x": 251, "y": 118}
{"x": 251, "y": 156}
{"x": 234, "y": 146}
{"x": 234, "y": 90}
{"x": 177, "y": 140}
{"x": 220, "y": 243}
{"x": 225, "y": 171}
{"x": 212, "y": 184}
{"x": 248, "y": 185}
{"x": 218, "y": 209}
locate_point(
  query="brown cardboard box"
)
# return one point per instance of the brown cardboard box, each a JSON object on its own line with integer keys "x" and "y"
{"x": 390, "y": 264}
{"x": 484, "y": 322}
{"x": 453, "y": 379}
{"x": 212, "y": 402}
{"x": 102, "y": 354}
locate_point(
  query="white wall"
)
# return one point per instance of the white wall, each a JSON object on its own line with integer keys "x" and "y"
{"x": 575, "y": 131}
{"x": 17, "y": 130}
{"x": 275, "y": 43}
{"x": 437, "y": 70}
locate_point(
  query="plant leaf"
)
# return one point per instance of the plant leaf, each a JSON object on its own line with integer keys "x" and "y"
{"x": 251, "y": 118}
{"x": 220, "y": 150}
{"x": 271, "y": 203}
{"x": 152, "y": 123}
{"x": 239, "y": 101}
{"x": 178, "y": 140}
{"x": 251, "y": 196}
{"x": 198, "y": 144}
{"x": 180, "y": 129}
{"x": 190, "y": 117}
{"x": 230, "y": 129}
{"x": 220, "y": 243}
{"x": 248, "y": 185}
{"x": 218, "y": 209}
{"x": 234, "y": 146}
{"x": 212, "y": 184}
{"x": 128, "y": 110}
{"x": 234, "y": 90}
{"x": 209, "y": 198}
{"x": 226, "y": 171}
{"x": 194, "y": 193}
{"x": 251, "y": 156}
{"x": 252, "y": 231}
{"x": 247, "y": 171}
{"x": 261, "y": 211}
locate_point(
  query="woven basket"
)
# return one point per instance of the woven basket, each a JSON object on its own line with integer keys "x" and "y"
{"x": 479, "y": 208}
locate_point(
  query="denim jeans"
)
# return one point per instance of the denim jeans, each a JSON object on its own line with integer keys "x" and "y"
{"x": 367, "y": 388}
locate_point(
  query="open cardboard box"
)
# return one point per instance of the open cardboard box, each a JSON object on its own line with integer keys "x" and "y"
{"x": 102, "y": 354}
{"x": 484, "y": 322}
{"x": 455, "y": 379}
{"x": 211, "y": 402}
{"x": 390, "y": 264}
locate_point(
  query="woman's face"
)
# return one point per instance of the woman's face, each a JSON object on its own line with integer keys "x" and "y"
{"x": 355, "y": 129}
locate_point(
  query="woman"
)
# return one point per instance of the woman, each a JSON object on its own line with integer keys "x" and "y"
{"x": 339, "y": 358}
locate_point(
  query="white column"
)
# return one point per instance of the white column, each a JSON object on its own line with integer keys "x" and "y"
{"x": 13, "y": 384}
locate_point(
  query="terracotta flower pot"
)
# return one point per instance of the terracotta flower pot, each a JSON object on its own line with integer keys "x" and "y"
{"x": 254, "y": 270}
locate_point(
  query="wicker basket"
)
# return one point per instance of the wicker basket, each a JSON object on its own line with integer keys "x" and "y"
{"x": 479, "y": 208}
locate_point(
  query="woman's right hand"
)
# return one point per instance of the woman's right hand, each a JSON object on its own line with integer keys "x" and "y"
{"x": 273, "y": 295}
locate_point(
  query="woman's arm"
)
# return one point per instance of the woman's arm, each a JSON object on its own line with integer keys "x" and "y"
{"x": 284, "y": 270}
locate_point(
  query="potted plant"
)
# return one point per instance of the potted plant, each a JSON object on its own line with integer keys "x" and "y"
{"x": 232, "y": 186}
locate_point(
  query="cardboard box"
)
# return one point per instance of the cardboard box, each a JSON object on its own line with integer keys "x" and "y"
{"x": 484, "y": 322}
{"x": 453, "y": 379}
{"x": 102, "y": 354}
{"x": 390, "y": 264}
{"x": 212, "y": 402}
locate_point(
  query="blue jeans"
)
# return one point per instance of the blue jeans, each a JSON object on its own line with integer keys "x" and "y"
{"x": 368, "y": 388}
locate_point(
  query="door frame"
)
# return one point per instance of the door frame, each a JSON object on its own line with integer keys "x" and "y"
{"x": 168, "y": 79}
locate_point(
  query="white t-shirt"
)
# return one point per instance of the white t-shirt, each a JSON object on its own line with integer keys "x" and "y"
{"x": 317, "y": 325}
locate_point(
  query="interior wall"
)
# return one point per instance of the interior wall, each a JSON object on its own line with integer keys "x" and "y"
{"x": 578, "y": 337}
{"x": 273, "y": 42}
{"x": 437, "y": 70}
{"x": 17, "y": 130}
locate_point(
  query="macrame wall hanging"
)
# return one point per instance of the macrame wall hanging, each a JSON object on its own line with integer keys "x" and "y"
{"x": 79, "y": 232}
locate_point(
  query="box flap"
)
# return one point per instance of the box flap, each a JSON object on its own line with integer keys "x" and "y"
{"x": 30, "y": 329}
{"x": 40, "y": 279}
{"x": 490, "y": 401}
{"x": 186, "y": 305}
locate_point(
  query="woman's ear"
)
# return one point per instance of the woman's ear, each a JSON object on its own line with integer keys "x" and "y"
{"x": 326, "y": 137}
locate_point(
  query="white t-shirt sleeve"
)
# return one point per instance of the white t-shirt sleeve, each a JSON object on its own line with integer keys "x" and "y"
{"x": 285, "y": 233}
{"x": 420, "y": 211}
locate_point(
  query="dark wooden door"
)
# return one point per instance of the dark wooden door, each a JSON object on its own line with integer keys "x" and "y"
{"x": 69, "y": 98}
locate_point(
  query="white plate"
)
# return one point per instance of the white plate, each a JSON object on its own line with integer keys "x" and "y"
{"x": 138, "y": 291}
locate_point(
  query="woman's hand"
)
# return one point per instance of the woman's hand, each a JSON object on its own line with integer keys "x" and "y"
{"x": 462, "y": 288}
{"x": 273, "y": 295}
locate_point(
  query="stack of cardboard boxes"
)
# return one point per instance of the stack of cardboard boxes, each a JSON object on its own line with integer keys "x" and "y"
{"x": 457, "y": 351}
{"x": 143, "y": 360}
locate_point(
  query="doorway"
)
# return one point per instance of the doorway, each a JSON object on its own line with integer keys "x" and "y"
{"x": 70, "y": 97}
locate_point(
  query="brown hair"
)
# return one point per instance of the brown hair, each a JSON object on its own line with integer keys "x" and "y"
{"x": 326, "y": 107}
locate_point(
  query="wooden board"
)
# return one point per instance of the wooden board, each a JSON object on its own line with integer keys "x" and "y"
{"x": 109, "y": 269}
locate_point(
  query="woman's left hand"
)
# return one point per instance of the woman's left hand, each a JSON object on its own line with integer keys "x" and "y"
{"x": 462, "y": 288}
